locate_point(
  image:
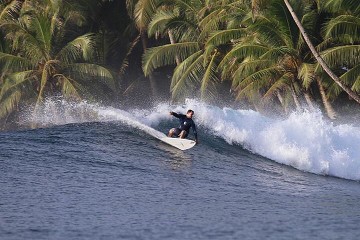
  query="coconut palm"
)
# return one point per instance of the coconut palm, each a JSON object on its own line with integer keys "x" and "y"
{"x": 46, "y": 59}
{"x": 341, "y": 45}
{"x": 196, "y": 47}
{"x": 319, "y": 59}
{"x": 141, "y": 12}
{"x": 265, "y": 62}
{"x": 260, "y": 4}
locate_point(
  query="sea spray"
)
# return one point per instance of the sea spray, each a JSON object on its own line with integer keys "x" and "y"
{"x": 304, "y": 140}
{"x": 57, "y": 111}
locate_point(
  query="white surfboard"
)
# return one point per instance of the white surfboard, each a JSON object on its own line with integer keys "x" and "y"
{"x": 180, "y": 143}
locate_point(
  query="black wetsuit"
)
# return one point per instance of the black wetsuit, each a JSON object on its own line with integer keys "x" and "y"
{"x": 185, "y": 124}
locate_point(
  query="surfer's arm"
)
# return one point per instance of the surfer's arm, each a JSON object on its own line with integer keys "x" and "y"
{"x": 177, "y": 115}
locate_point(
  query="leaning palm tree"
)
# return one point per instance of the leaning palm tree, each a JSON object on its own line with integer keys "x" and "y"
{"x": 318, "y": 57}
{"x": 44, "y": 61}
{"x": 341, "y": 45}
{"x": 265, "y": 61}
{"x": 334, "y": 4}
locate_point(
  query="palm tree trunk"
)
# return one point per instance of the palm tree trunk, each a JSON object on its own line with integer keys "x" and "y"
{"x": 328, "y": 108}
{"x": 318, "y": 58}
{"x": 309, "y": 100}
{"x": 295, "y": 97}
{"x": 282, "y": 102}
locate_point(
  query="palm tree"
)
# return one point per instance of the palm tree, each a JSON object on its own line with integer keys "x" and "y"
{"x": 341, "y": 45}
{"x": 196, "y": 47}
{"x": 116, "y": 39}
{"x": 46, "y": 59}
{"x": 319, "y": 59}
{"x": 142, "y": 11}
{"x": 265, "y": 62}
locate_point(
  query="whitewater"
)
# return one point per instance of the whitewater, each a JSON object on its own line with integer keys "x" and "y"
{"x": 304, "y": 140}
{"x": 88, "y": 171}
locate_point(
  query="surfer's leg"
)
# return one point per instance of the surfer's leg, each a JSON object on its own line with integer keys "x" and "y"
{"x": 174, "y": 131}
{"x": 183, "y": 134}
{"x": 171, "y": 132}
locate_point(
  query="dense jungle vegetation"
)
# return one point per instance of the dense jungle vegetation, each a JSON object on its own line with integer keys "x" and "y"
{"x": 265, "y": 54}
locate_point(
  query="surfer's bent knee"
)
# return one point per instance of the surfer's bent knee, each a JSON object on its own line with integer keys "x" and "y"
{"x": 183, "y": 134}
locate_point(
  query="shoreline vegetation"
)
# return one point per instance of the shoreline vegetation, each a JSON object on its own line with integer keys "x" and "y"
{"x": 274, "y": 55}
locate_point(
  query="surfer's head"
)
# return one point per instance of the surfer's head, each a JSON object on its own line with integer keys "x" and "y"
{"x": 189, "y": 113}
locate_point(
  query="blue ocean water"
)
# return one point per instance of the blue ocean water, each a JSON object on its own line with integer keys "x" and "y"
{"x": 91, "y": 172}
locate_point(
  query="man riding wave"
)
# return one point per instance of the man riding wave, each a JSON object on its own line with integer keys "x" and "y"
{"x": 186, "y": 123}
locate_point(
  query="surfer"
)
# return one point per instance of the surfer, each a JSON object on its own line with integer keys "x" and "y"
{"x": 186, "y": 123}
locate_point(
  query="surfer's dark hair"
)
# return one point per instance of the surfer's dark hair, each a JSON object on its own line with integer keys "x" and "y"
{"x": 190, "y": 111}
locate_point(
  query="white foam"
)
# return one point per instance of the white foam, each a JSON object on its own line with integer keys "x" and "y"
{"x": 304, "y": 140}
{"x": 61, "y": 112}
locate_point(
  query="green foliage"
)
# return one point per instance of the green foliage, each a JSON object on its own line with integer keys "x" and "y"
{"x": 166, "y": 54}
{"x": 43, "y": 59}
{"x": 75, "y": 48}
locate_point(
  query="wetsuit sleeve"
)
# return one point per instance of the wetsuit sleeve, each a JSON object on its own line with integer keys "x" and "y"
{"x": 178, "y": 115}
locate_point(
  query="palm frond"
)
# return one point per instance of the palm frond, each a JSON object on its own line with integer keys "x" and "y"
{"x": 333, "y": 91}
{"x": 241, "y": 51}
{"x": 348, "y": 55}
{"x": 8, "y": 103}
{"x": 184, "y": 30}
{"x": 209, "y": 79}
{"x": 260, "y": 78}
{"x": 69, "y": 87}
{"x": 352, "y": 77}
{"x": 125, "y": 63}
{"x": 44, "y": 79}
{"x": 343, "y": 6}
{"x": 210, "y": 22}
{"x": 192, "y": 75}
{"x": 41, "y": 27}
{"x": 130, "y": 6}
{"x": 306, "y": 74}
{"x": 269, "y": 32}
{"x": 224, "y": 36}
{"x": 166, "y": 55}
{"x": 279, "y": 84}
{"x": 249, "y": 66}
{"x": 178, "y": 74}
{"x": 278, "y": 52}
{"x": 83, "y": 72}
{"x": 81, "y": 48}
{"x": 249, "y": 92}
{"x": 159, "y": 22}
{"x": 13, "y": 81}
{"x": 10, "y": 11}
{"x": 13, "y": 63}
{"x": 22, "y": 40}
{"x": 343, "y": 25}
{"x": 143, "y": 12}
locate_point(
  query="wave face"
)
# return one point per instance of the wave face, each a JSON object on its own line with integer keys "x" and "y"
{"x": 304, "y": 140}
